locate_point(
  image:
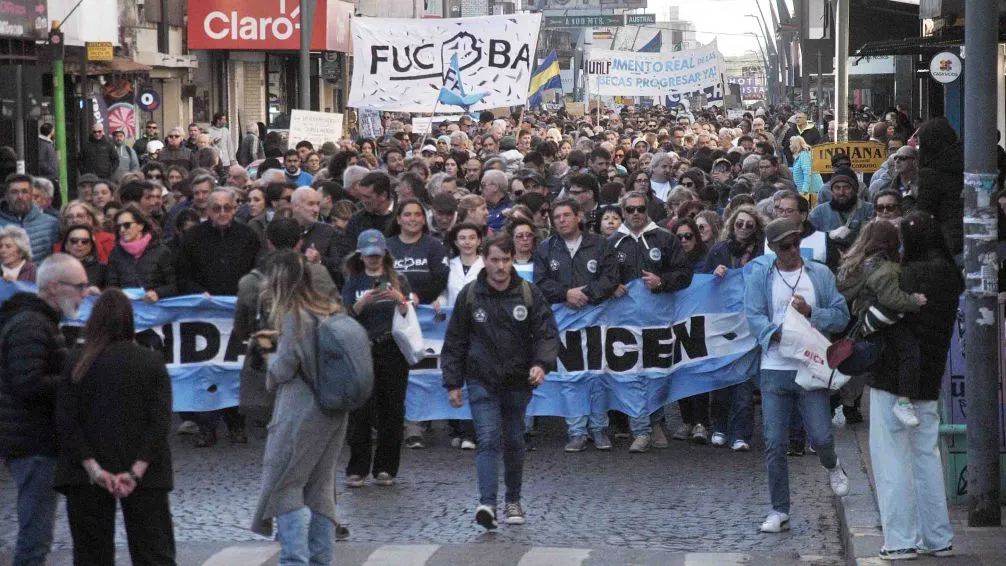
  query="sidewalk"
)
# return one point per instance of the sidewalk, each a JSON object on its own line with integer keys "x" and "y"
{"x": 860, "y": 516}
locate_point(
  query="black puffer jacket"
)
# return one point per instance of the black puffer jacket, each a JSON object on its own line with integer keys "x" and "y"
{"x": 154, "y": 270}
{"x": 98, "y": 157}
{"x": 497, "y": 338}
{"x": 32, "y": 355}
{"x": 941, "y": 180}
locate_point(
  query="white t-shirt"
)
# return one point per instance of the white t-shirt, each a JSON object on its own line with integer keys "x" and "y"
{"x": 660, "y": 190}
{"x": 782, "y": 292}
{"x": 573, "y": 245}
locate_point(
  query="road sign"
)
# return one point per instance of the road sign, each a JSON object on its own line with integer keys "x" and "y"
{"x": 100, "y": 51}
{"x": 640, "y": 19}
{"x": 148, "y": 99}
{"x": 584, "y": 21}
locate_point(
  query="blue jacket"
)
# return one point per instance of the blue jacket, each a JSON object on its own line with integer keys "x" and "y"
{"x": 831, "y": 314}
{"x": 42, "y": 229}
{"x": 804, "y": 178}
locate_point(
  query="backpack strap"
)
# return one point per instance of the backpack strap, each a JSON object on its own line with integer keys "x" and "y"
{"x": 525, "y": 291}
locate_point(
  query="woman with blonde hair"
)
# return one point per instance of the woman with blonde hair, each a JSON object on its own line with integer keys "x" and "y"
{"x": 304, "y": 442}
{"x": 807, "y": 182}
{"x": 78, "y": 212}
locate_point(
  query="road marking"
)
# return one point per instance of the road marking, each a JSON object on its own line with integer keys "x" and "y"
{"x": 401, "y": 555}
{"x": 545, "y": 556}
{"x": 247, "y": 555}
{"x": 716, "y": 559}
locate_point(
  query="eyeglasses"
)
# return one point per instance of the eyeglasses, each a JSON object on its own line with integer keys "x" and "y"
{"x": 788, "y": 245}
{"x": 642, "y": 180}
{"x": 154, "y": 176}
{"x": 222, "y": 208}
{"x": 785, "y": 211}
{"x": 577, "y": 191}
{"x": 741, "y": 225}
{"x": 97, "y": 131}
{"x": 619, "y": 155}
{"x": 887, "y": 208}
{"x": 78, "y": 241}
{"x": 524, "y": 236}
{"x": 80, "y": 287}
{"x": 125, "y": 225}
{"x": 688, "y": 184}
{"x": 635, "y": 209}
{"x": 686, "y": 236}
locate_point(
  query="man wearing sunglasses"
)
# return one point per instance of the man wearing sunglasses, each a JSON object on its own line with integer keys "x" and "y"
{"x": 150, "y": 132}
{"x": 97, "y": 156}
{"x": 29, "y": 325}
{"x": 771, "y": 284}
{"x": 175, "y": 153}
{"x": 643, "y": 250}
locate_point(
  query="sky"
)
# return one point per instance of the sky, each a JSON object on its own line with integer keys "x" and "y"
{"x": 723, "y": 20}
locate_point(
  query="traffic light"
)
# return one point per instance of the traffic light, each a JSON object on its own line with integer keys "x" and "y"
{"x": 55, "y": 43}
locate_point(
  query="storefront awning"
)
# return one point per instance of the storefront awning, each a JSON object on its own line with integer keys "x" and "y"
{"x": 117, "y": 66}
{"x": 929, "y": 45}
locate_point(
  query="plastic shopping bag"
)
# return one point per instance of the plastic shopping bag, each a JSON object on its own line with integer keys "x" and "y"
{"x": 408, "y": 335}
{"x": 803, "y": 342}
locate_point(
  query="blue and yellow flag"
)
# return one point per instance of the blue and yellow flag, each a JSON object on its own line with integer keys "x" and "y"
{"x": 545, "y": 77}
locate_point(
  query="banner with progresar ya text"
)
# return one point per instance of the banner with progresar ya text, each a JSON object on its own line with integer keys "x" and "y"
{"x": 640, "y": 351}
{"x": 628, "y": 73}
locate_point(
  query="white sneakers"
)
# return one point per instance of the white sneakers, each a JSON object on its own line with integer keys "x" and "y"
{"x": 719, "y": 439}
{"x": 905, "y": 412}
{"x": 740, "y": 446}
{"x": 776, "y": 522}
{"x": 839, "y": 481}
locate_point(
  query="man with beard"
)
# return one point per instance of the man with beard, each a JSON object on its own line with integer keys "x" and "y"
{"x": 19, "y": 208}
{"x": 845, "y": 214}
{"x": 294, "y": 174}
{"x": 394, "y": 161}
{"x": 473, "y": 175}
{"x": 598, "y": 162}
{"x": 768, "y": 169}
{"x": 489, "y": 147}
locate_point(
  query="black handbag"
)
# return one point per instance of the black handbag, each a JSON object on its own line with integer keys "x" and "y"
{"x": 855, "y": 354}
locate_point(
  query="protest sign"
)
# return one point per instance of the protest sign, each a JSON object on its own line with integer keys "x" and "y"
{"x": 402, "y": 64}
{"x": 315, "y": 127}
{"x": 421, "y": 124}
{"x": 370, "y": 124}
{"x": 645, "y": 350}
{"x": 866, "y": 156}
{"x": 575, "y": 109}
{"x": 628, "y": 73}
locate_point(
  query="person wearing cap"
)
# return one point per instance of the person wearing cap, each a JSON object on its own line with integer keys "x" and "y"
{"x": 429, "y": 153}
{"x": 845, "y": 214}
{"x": 97, "y": 155}
{"x": 176, "y": 153}
{"x": 85, "y": 186}
{"x": 444, "y": 145}
{"x": 128, "y": 161}
{"x": 770, "y": 286}
{"x": 374, "y": 292}
{"x": 444, "y": 214}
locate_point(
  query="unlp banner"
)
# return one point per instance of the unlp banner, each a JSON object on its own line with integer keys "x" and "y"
{"x": 627, "y": 73}
{"x": 401, "y": 65}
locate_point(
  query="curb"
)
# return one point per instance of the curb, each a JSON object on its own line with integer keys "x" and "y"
{"x": 858, "y": 512}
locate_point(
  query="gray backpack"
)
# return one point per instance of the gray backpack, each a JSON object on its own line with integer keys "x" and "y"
{"x": 345, "y": 366}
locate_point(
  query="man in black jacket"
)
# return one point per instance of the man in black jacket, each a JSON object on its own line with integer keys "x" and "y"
{"x": 569, "y": 268}
{"x": 642, "y": 250}
{"x": 212, "y": 259}
{"x": 32, "y": 354}
{"x": 374, "y": 191}
{"x": 502, "y": 339}
{"x": 319, "y": 242}
{"x": 97, "y": 155}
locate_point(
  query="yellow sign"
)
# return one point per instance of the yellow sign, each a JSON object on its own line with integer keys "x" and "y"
{"x": 100, "y": 51}
{"x": 866, "y": 157}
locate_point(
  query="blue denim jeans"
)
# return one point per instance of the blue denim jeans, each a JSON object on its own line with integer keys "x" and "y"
{"x": 644, "y": 425}
{"x": 909, "y": 475}
{"x": 36, "y": 507}
{"x": 499, "y": 427}
{"x": 733, "y": 411}
{"x": 598, "y": 420}
{"x": 305, "y": 538}
{"x": 780, "y": 395}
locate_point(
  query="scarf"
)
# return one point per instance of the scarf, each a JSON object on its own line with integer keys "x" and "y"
{"x": 136, "y": 247}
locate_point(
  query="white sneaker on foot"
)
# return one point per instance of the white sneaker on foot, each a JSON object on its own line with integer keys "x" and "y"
{"x": 719, "y": 439}
{"x": 839, "y": 481}
{"x": 776, "y": 522}
{"x": 188, "y": 427}
{"x": 905, "y": 412}
{"x": 640, "y": 444}
{"x": 700, "y": 435}
{"x": 467, "y": 445}
{"x": 740, "y": 446}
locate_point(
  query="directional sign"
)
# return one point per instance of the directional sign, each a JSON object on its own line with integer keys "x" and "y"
{"x": 640, "y": 19}
{"x": 584, "y": 21}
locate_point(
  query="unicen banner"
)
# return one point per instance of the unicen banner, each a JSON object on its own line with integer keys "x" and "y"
{"x": 640, "y": 351}
{"x": 402, "y": 64}
{"x": 628, "y": 73}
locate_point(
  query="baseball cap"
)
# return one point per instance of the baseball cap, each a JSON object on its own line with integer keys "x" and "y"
{"x": 445, "y": 202}
{"x": 429, "y": 148}
{"x": 87, "y": 179}
{"x": 371, "y": 242}
{"x": 781, "y": 228}
{"x": 525, "y": 174}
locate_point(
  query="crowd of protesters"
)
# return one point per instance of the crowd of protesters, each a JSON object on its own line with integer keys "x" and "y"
{"x": 578, "y": 206}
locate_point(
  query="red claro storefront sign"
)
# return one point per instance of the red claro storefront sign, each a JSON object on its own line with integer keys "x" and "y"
{"x": 253, "y": 25}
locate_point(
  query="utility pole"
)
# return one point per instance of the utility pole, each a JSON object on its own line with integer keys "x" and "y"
{"x": 980, "y": 264}
{"x": 841, "y": 70}
{"x": 59, "y": 106}
{"x": 306, "y": 25}
{"x": 19, "y": 117}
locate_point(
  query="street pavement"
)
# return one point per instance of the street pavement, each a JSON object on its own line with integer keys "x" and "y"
{"x": 689, "y": 505}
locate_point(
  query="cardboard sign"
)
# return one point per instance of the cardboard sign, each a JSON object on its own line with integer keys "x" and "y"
{"x": 315, "y": 127}
{"x": 370, "y": 124}
{"x": 866, "y": 156}
{"x": 422, "y": 124}
{"x": 575, "y": 109}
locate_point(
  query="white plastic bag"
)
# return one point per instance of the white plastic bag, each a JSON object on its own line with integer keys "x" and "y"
{"x": 801, "y": 341}
{"x": 408, "y": 335}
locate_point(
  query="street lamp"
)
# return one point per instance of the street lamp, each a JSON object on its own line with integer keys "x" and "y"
{"x": 770, "y": 87}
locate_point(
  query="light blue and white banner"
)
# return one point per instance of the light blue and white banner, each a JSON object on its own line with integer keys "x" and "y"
{"x": 641, "y": 351}
{"x": 630, "y": 73}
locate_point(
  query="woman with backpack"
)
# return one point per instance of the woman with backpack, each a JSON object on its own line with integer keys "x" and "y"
{"x": 374, "y": 294}
{"x": 304, "y": 442}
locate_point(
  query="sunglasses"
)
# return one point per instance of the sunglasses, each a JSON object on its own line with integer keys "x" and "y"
{"x": 740, "y": 225}
{"x": 887, "y": 207}
{"x": 174, "y": 136}
{"x": 78, "y": 241}
{"x": 788, "y": 245}
{"x": 222, "y": 208}
{"x": 635, "y": 209}
{"x": 902, "y": 157}
{"x": 125, "y": 225}
{"x": 525, "y": 236}
{"x": 154, "y": 176}
{"x": 687, "y": 184}
{"x": 619, "y": 155}
{"x": 686, "y": 236}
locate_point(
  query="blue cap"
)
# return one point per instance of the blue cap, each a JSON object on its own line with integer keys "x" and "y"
{"x": 371, "y": 242}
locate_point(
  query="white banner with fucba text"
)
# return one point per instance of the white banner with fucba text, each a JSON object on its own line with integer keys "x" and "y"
{"x": 628, "y": 73}
{"x": 401, "y": 65}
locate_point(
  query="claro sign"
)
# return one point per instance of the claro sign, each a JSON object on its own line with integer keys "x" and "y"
{"x": 257, "y": 25}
